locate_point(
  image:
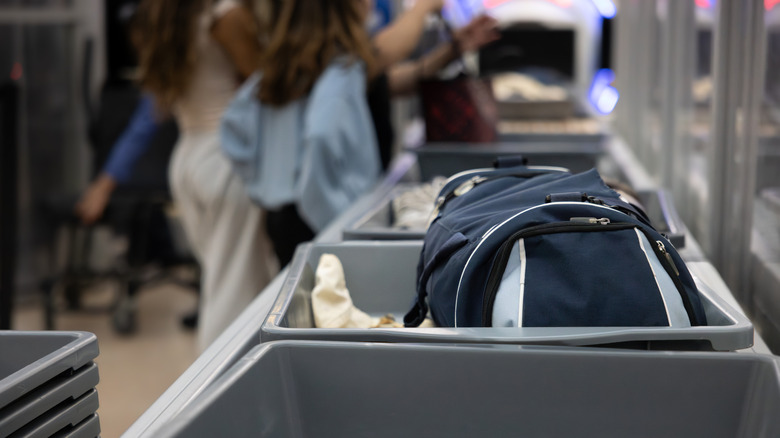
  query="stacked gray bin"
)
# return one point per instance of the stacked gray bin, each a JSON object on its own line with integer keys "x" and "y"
{"x": 47, "y": 384}
{"x": 445, "y": 159}
{"x": 377, "y": 223}
{"x": 381, "y": 278}
{"x": 327, "y": 389}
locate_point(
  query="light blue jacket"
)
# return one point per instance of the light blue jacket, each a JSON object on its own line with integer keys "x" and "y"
{"x": 318, "y": 152}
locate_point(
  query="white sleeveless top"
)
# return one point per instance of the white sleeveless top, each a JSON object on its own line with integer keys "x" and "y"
{"x": 214, "y": 81}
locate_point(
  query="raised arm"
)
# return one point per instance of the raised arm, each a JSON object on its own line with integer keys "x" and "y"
{"x": 404, "y": 77}
{"x": 396, "y": 42}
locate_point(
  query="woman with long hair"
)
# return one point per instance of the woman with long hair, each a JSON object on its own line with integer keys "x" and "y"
{"x": 307, "y": 149}
{"x": 193, "y": 56}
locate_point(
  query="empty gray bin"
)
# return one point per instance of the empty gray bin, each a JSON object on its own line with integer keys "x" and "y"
{"x": 528, "y": 109}
{"x": 377, "y": 223}
{"x": 29, "y": 359}
{"x": 331, "y": 389}
{"x": 381, "y": 279}
{"x": 445, "y": 159}
{"x": 62, "y": 418}
{"x": 56, "y": 393}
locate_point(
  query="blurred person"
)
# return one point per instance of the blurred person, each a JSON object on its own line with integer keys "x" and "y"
{"x": 301, "y": 52}
{"x": 300, "y": 132}
{"x": 394, "y": 43}
{"x": 404, "y": 77}
{"x": 193, "y": 55}
{"x": 397, "y": 76}
{"x": 130, "y": 146}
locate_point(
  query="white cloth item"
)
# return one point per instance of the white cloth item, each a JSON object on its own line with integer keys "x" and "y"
{"x": 510, "y": 86}
{"x": 332, "y": 304}
{"x": 225, "y": 229}
{"x": 330, "y": 300}
{"x": 412, "y": 209}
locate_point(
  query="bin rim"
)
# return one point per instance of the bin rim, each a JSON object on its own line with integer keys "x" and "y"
{"x": 735, "y": 336}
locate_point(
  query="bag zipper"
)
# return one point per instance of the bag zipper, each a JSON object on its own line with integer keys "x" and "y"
{"x": 671, "y": 269}
{"x": 574, "y": 225}
{"x": 499, "y": 225}
{"x": 496, "y": 227}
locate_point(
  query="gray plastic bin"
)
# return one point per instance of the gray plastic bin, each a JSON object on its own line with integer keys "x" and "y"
{"x": 377, "y": 223}
{"x": 331, "y": 389}
{"x": 446, "y": 159}
{"x": 525, "y": 109}
{"x": 381, "y": 279}
{"x": 29, "y": 359}
{"x": 56, "y": 393}
{"x": 89, "y": 428}
{"x": 61, "y": 418}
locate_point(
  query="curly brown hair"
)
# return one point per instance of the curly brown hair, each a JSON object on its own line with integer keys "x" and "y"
{"x": 306, "y": 36}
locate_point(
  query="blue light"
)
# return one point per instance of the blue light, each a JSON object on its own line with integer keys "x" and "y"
{"x": 606, "y": 8}
{"x": 608, "y": 100}
{"x": 459, "y": 12}
{"x": 602, "y": 95}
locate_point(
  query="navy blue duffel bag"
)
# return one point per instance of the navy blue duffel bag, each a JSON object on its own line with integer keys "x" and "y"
{"x": 540, "y": 247}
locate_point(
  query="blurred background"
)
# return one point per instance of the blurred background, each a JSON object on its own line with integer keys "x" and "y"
{"x": 685, "y": 93}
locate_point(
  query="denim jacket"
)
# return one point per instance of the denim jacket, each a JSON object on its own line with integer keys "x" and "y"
{"x": 318, "y": 152}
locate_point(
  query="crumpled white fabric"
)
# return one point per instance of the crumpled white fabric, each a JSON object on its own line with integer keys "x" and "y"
{"x": 412, "y": 209}
{"x": 330, "y": 299}
{"x": 332, "y": 305}
{"x": 509, "y": 86}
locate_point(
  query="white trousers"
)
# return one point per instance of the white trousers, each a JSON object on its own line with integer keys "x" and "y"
{"x": 225, "y": 230}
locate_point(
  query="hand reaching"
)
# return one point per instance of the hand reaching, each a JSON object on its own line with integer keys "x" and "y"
{"x": 94, "y": 200}
{"x": 480, "y": 31}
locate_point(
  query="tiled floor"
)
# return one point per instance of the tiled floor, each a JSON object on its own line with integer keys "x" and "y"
{"x": 134, "y": 370}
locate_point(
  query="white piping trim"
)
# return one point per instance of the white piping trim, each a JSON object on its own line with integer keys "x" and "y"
{"x": 465, "y": 172}
{"x": 486, "y": 169}
{"x": 495, "y": 227}
{"x": 655, "y": 277}
{"x": 523, "y": 265}
{"x": 555, "y": 168}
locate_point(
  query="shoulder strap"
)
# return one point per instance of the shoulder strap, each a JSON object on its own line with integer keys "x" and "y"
{"x": 419, "y": 311}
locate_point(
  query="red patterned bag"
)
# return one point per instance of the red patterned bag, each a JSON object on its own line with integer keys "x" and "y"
{"x": 461, "y": 109}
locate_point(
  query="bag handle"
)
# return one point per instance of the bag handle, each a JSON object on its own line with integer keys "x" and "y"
{"x": 419, "y": 311}
{"x": 510, "y": 161}
{"x": 566, "y": 197}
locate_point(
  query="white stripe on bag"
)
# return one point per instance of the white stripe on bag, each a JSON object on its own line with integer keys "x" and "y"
{"x": 521, "y": 298}
{"x": 641, "y": 238}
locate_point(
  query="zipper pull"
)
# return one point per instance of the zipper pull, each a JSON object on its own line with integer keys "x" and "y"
{"x": 460, "y": 190}
{"x": 468, "y": 185}
{"x": 591, "y": 220}
{"x": 436, "y": 209}
{"x": 439, "y": 202}
{"x": 668, "y": 256}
